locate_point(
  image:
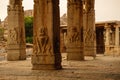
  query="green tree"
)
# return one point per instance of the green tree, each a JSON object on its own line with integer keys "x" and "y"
{"x": 29, "y": 29}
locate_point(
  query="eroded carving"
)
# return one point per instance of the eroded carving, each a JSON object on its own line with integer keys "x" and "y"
{"x": 13, "y": 35}
{"x": 74, "y": 35}
{"x": 43, "y": 42}
{"x": 88, "y": 5}
{"x": 15, "y": 2}
{"x": 89, "y": 35}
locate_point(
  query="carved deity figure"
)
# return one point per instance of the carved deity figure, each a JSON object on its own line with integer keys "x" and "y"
{"x": 13, "y": 35}
{"x": 43, "y": 41}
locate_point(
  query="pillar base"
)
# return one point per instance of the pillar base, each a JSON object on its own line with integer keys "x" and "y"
{"x": 43, "y": 67}
{"x": 14, "y": 55}
{"x": 75, "y": 56}
{"x": 75, "y": 53}
{"x": 90, "y": 50}
{"x": 116, "y": 51}
{"x": 109, "y": 50}
{"x": 44, "y": 62}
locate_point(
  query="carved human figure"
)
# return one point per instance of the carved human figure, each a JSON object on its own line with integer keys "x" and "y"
{"x": 43, "y": 41}
{"x": 13, "y": 35}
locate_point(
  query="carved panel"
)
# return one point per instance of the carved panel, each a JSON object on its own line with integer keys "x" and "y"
{"x": 74, "y": 35}
{"x": 88, "y": 5}
{"x": 15, "y": 2}
{"x": 89, "y": 35}
{"x": 43, "y": 45}
{"x": 13, "y": 36}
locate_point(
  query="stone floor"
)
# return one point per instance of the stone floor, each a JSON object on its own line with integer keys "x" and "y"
{"x": 101, "y": 68}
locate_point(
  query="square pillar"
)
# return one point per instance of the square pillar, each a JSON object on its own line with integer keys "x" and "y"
{"x": 89, "y": 34}
{"x": 46, "y": 35}
{"x": 74, "y": 30}
{"x": 16, "y": 32}
{"x": 107, "y": 39}
{"x": 117, "y": 41}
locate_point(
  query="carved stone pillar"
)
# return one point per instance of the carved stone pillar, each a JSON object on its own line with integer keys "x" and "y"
{"x": 16, "y": 31}
{"x": 117, "y": 41}
{"x": 62, "y": 41}
{"x": 74, "y": 32}
{"x": 107, "y": 39}
{"x": 46, "y": 49}
{"x": 89, "y": 34}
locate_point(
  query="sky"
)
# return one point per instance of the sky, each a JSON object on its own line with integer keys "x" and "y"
{"x": 104, "y": 9}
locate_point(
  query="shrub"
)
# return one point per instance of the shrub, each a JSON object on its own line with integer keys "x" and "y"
{"x": 29, "y": 29}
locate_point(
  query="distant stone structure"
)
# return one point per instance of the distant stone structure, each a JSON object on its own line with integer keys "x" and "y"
{"x": 107, "y": 37}
{"x": 28, "y": 13}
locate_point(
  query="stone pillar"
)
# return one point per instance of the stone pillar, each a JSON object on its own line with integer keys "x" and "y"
{"x": 16, "y": 32}
{"x": 74, "y": 30}
{"x": 61, "y": 40}
{"x": 107, "y": 39}
{"x": 89, "y": 33}
{"x": 46, "y": 48}
{"x": 117, "y": 41}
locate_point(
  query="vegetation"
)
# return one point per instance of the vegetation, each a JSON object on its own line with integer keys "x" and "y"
{"x": 29, "y": 29}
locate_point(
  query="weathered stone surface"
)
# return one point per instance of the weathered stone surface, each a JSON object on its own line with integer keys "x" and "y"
{"x": 46, "y": 48}
{"x": 74, "y": 30}
{"x": 89, "y": 28}
{"x": 16, "y": 32}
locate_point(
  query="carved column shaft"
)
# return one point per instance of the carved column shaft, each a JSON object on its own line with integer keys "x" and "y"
{"x": 74, "y": 30}
{"x": 107, "y": 39}
{"x": 89, "y": 28}
{"x": 107, "y": 35}
{"x": 117, "y": 40}
{"x": 16, "y": 31}
{"x": 46, "y": 49}
{"x": 117, "y": 34}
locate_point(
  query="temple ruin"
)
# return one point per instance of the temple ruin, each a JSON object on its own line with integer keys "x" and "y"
{"x": 81, "y": 37}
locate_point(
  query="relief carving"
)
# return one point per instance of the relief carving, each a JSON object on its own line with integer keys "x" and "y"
{"x": 43, "y": 42}
{"x": 73, "y": 1}
{"x": 88, "y": 5}
{"x": 13, "y": 35}
{"x": 15, "y": 2}
{"x": 74, "y": 35}
{"x": 89, "y": 35}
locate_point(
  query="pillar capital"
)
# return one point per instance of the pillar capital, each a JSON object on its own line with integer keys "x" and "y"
{"x": 117, "y": 25}
{"x": 74, "y": 2}
{"x": 88, "y": 6}
{"x": 15, "y": 2}
{"x": 107, "y": 26}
